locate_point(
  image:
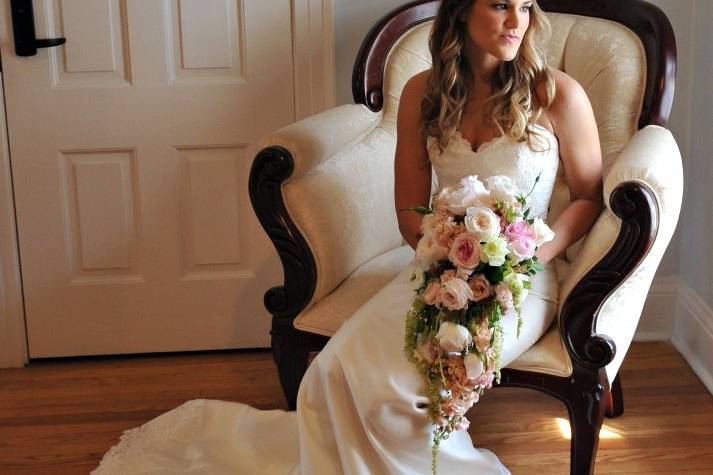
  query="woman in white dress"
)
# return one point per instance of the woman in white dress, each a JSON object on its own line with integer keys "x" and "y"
{"x": 489, "y": 106}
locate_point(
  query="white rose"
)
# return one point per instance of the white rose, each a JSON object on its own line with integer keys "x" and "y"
{"x": 543, "y": 232}
{"x": 473, "y": 366}
{"x": 455, "y": 294}
{"x": 470, "y": 191}
{"x": 482, "y": 222}
{"x": 501, "y": 188}
{"x": 429, "y": 251}
{"x": 453, "y": 337}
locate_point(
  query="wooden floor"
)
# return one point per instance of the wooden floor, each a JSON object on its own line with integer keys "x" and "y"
{"x": 59, "y": 417}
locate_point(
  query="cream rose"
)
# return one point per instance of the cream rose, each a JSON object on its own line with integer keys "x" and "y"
{"x": 453, "y": 337}
{"x": 543, "y": 232}
{"x": 501, "y": 188}
{"x": 482, "y": 222}
{"x": 429, "y": 251}
{"x": 465, "y": 251}
{"x": 431, "y": 224}
{"x": 455, "y": 294}
{"x": 473, "y": 366}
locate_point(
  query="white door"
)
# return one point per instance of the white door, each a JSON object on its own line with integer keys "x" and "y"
{"x": 130, "y": 149}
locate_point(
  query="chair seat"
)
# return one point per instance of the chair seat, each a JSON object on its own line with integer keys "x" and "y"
{"x": 548, "y": 355}
{"x": 325, "y": 317}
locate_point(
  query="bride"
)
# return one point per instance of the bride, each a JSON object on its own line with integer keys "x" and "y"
{"x": 489, "y": 106}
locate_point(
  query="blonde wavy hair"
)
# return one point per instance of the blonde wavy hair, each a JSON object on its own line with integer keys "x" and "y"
{"x": 514, "y": 104}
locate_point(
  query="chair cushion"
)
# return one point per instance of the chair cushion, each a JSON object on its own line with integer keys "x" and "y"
{"x": 547, "y": 356}
{"x": 326, "y": 316}
{"x": 344, "y": 208}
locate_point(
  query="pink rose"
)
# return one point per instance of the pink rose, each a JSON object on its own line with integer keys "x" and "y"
{"x": 481, "y": 287}
{"x": 518, "y": 230}
{"x": 430, "y": 295}
{"x": 521, "y": 248}
{"x": 455, "y": 294}
{"x": 486, "y": 380}
{"x": 465, "y": 251}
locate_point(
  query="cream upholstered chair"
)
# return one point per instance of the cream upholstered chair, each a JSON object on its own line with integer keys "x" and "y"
{"x": 323, "y": 190}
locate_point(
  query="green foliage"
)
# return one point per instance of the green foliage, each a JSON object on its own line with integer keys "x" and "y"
{"x": 419, "y": 209}
{"x": 494, "y": 274}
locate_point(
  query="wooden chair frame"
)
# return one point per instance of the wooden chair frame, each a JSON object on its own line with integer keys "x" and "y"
{"x": 586, "y": 393}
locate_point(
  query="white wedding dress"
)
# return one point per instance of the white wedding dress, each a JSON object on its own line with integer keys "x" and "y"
{"x": 362, "y": 405}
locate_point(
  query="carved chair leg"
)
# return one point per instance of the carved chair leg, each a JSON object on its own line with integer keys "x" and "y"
{"x": 586, "y": 414}
{"x": 290, "y": 358}
{"x": 615, "y": 401}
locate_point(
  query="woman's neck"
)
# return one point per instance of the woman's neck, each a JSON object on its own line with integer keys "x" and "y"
{"x": 482, "y": 67}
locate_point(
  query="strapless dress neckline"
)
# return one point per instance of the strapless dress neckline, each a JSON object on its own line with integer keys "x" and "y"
{"x": 458, "y": 135}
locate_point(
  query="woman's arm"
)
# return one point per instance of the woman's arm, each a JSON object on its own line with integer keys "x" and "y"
{"x": 412, "y": 170}
{"x": 574, "y": 125}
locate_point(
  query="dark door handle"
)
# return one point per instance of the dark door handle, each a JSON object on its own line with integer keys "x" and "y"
{"x": 23, "y": 27}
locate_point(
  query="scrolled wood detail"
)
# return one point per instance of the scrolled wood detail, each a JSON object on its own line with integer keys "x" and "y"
{"x": 271, "y": 167}
{"x": 635, "y": 205}
{"x": 593, "y": 397}
{"x": 368, "y": 72}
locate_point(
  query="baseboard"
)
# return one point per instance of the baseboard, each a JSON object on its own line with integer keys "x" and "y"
{"x": 693, "y": 333}
{"x": 657, "y": 317}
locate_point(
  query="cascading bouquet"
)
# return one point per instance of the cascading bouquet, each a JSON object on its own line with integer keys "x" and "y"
{"x": 475, "y": 263}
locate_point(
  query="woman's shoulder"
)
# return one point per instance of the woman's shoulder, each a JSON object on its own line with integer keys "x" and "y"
{"x": 569, "y": 99}
{"x": 415, "y": 86}
{"x": 410, "y": 101}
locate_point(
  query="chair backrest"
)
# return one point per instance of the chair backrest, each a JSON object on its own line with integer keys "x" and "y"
{"x": 621, "y": 51}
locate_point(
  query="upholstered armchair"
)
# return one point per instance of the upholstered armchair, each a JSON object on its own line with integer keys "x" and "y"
{"x": 323, "y": 190}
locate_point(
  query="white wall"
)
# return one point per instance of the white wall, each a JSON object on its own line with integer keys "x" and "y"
{"x": 352, "y": 21}
{"x": 697, "y": 217}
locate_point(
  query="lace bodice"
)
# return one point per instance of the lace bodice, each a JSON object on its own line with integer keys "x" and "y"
{"x": 502, "y": 156}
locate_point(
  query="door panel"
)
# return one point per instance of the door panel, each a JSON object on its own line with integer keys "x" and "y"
{"x": 131, "y": 147}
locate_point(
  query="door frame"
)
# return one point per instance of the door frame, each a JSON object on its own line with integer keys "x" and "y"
{"x": 315, "y": 91}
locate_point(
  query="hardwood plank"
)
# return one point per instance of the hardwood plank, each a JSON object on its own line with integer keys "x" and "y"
{"x": 60, "y": 416}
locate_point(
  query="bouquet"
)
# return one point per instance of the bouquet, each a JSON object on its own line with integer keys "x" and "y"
{"x": 475, "y": 263}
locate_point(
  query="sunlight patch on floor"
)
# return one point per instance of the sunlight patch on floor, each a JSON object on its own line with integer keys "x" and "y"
{"x": 604, "y": 433}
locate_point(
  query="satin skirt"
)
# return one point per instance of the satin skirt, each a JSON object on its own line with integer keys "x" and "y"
{"x": 361, "y": 409}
